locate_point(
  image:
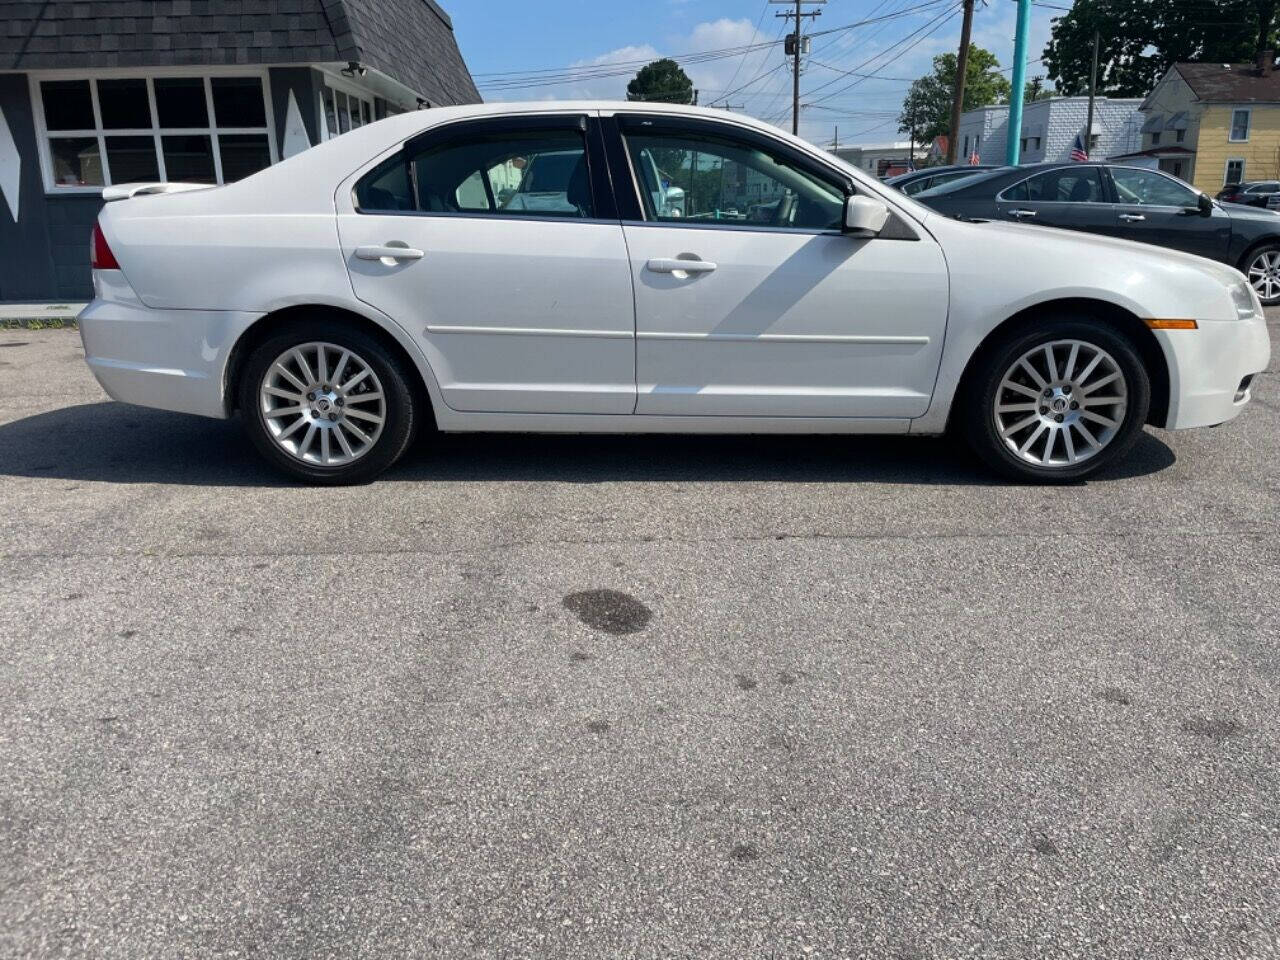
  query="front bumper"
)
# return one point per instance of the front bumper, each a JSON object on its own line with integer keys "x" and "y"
{"x": 167, "y": 359}
{"x": 1207, "y": 367}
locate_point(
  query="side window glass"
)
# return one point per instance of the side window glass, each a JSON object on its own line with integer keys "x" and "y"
{"x": 1066, "y": 185}
{"x": 1152, "y": 189}
{"x": 1018, "y": 192}
{"x": 705, "y": 178}
{"x": 524, "y": 173}
{"x": 916, "y": 186}
{"x": 385, "y": 188}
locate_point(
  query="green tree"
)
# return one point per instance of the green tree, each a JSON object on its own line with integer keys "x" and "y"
{"x": 663, "y": 81}
{"x": 1141, "y": 39}
{"x": 926, "y": 111}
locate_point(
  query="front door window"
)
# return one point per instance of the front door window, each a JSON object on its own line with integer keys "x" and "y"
{"x": 1149, "y": 188}
{"x": 706, "y": 178}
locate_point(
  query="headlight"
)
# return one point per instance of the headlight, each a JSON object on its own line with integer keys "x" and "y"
{"x": 1245, "y": 298}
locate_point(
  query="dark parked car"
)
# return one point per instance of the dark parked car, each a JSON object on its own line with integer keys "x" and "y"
{"x": 1132, "y": 203}
{"x": 1254, "y": 193}
{"x": 918, "y": 180}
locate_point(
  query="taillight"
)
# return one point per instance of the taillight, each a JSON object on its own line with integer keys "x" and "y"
{"x": 100, "y": 255}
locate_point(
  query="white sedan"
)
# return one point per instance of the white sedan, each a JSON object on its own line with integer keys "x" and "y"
{"x": 431, "y": 269}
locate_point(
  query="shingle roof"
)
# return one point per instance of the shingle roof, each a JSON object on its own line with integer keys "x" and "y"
{"x": 1230, "y": 82}
{"x": 411, "y": 41}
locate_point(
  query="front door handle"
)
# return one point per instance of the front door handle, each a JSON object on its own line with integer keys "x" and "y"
{"x": 395, "y": 250}
{"x": 679, "y": 265}
{"x": 1131, "y": 217}
{"x": 1022, "y": 214}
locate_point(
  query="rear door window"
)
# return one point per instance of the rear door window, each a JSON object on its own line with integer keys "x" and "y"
{"x": 1064, "y": 185}
{"x": 540, "y": 172}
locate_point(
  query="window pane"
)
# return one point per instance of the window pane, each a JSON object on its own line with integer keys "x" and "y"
{"x": 366, "y": 111}
{"x": 237, "y": 102}
{"x": 68, "y": 105}
{"x": 76, "y": 162}
{"x": 1066, "y": 185}
{"x": 386, "y": 187}
{"x": 344, "y": 118}
{"x": 242, "y": 154}
{"x": 124, "y": 105}
{"x": 1240, "y": 125}
{"x": 706, "y": 178}
{"x": 180, "y": 102}
{"x": 1142, "y": 186}
{"x": 188, "y": 158}
{"x": 354, "y": 106}
{"x": 540, "y": 173}
{"x": 132, "y": 159}
{"x": 330, "y": 116}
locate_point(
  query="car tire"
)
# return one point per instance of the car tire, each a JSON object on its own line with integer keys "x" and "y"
{"x": 1265, "y": 260}
{"x": 1034, "y": 424}
{"x": 327, "y": 403}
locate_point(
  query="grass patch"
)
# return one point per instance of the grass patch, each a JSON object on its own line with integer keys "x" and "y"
{"x": 38, "y": 323}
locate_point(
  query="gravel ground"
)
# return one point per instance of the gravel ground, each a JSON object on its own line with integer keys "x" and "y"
{"x": 629, "y": 697}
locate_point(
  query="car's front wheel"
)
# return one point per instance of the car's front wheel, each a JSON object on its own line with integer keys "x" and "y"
{"x": 1056, "y": 403}
{"x": 327, "y": 404}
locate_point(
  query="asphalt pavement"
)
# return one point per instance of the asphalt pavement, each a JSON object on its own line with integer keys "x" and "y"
{"x": 587, "y": 697}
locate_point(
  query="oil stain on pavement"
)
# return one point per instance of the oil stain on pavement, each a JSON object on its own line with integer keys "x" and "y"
{"x": 609, "y": 610}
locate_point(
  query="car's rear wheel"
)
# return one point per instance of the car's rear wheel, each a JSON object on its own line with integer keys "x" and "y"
{"x": 1056, "y": 403}
{"x": 1262, "y": 267}
{"x": 327, "y": 404}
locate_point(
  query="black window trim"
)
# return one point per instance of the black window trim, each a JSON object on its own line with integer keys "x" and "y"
{"x": 602, "y": 197}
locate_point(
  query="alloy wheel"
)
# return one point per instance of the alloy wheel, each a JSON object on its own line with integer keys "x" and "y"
{"x": 1264, "y": 274}
{"x": 1060, "y": 403}
{"x": 322, "y": 404}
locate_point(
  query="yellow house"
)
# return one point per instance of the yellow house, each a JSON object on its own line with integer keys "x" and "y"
{"x": 1213, "y": 123}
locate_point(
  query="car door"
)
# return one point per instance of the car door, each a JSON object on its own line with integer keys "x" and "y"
{"x": 1153, "y": 207}
{"x": 1072, "y": 197}
{"x": 517, "y": 286}
{"x": 749, "y": 299}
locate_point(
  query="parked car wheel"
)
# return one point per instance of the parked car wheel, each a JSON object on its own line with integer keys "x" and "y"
{"x": 1262, "y": 267}
{"x": 327, "y": 404}
{"x": 1056, "y": 403}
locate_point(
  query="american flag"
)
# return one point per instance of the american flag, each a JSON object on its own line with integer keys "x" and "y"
{"x": 1079, "y": 153}
{"x": 974, "y": 159}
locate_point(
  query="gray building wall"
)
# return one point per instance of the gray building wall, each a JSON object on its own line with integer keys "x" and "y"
{"x": 26, "y": 268}
{"x": 1055, "y": 122}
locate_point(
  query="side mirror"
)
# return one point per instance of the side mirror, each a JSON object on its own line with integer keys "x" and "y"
{"x": 1206, "y": 205}
{"x": 864, "y": 216}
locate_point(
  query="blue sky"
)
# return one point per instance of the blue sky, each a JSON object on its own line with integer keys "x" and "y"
{"x": 506, "y": 36}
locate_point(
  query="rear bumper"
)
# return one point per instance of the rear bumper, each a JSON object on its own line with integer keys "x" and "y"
{"x": 167, "y": 359}
{"x": 1207, "y": 367}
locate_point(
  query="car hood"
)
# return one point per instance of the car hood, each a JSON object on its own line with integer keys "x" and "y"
{"x": 1242, "y": 211}
{"x": 1070, "y": 247}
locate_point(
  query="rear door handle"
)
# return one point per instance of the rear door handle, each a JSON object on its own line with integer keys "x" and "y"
{"x": 391, "y": 251}
{"x": 1131, "y": 217}
{"x": 677, "y": 265}
{"x": 1022, "y": 214}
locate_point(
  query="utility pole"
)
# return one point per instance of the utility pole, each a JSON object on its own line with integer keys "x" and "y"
{"x": 962, "y": 70}
{"x": 835, "y": 140}
{"x": 1013, "y": 140}
{"x": 797, "y": 45}
{"x": 1093, "y": 92}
